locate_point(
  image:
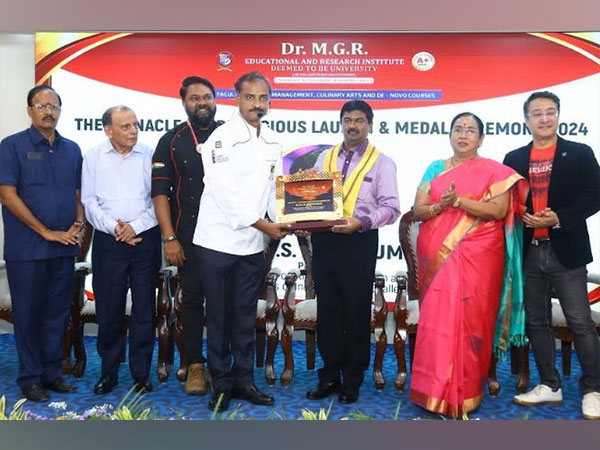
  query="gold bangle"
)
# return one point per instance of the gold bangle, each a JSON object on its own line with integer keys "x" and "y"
{"x": 432, "y": 211}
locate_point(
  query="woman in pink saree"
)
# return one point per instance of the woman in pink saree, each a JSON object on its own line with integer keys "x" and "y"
{"x": 470, "y": 279}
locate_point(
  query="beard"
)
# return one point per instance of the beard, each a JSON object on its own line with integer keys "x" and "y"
{"x": 203, "y": 121}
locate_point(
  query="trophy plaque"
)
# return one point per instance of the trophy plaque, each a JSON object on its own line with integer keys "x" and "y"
{"x": 310, "y": 201}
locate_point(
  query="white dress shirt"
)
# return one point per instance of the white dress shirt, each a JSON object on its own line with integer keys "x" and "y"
{"x": 118, "y": 187}
{"x": 239, "y": 186}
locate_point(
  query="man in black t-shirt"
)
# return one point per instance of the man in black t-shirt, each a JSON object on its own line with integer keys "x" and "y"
{"x": 177, "y": 184}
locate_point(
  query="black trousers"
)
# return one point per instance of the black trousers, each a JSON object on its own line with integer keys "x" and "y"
{"x": 231, "y": 285}
{"x": 192, "y": 311}
{"x": 344, "y": 270}
{"x": 118, "y": 267}
{"x": 41, "y": 293}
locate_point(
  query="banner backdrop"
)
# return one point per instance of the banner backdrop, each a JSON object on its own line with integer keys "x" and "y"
{"x": 415, "y": 83}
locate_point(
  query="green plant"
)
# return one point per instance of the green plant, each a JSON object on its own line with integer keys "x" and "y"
{"x": 132, "y": 407}
{"x": 17, "y": 412}
{"x": 308, "y": 414}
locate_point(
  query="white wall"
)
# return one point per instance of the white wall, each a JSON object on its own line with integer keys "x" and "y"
{"x": 17, "y": 76}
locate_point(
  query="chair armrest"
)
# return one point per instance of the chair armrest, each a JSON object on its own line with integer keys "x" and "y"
{"x": 272, "y": 299}
{"x": 401, "y": 294}
{"x": 379, "y": 303}
{"x": 400, "y": 306}
{"x": 289, "y": 299}
{"x": 83, "y": 267}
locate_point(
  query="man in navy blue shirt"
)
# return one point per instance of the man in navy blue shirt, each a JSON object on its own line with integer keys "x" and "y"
{"x": 40, "y": 181}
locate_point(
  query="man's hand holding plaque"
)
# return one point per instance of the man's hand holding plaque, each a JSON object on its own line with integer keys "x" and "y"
{"x": 352, "y": 225}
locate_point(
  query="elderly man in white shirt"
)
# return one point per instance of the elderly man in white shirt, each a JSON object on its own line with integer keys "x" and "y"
{"x": 115, "y": 191}
{"x": 241, "y": 159}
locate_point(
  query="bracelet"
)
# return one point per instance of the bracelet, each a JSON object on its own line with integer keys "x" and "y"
{"x": 169, "y": 239}
{"x": 432, "y": 212}
{"x": 79, "y": 222}
{"x": 456, "y": 202}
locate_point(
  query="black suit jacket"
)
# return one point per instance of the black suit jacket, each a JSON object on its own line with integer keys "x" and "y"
{"x": 574, "y": 194}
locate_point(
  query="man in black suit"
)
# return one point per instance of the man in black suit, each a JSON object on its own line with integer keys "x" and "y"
{"x": 565, "y": 191}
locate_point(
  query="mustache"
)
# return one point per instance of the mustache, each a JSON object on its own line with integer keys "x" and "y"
{"x": 48, "y": 117}
{"x": 200, "y": 107}
{"x": 352, "y": 130}
{"x": 259, "y": 111}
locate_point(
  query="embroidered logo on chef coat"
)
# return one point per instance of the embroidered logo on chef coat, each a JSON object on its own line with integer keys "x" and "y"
{"x": 218, "y": 157}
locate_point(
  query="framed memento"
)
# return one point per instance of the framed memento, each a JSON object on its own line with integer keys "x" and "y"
{"x": 310, "y": 200}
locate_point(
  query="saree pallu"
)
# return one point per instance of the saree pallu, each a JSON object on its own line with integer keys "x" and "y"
{"x": 464, "y": 267}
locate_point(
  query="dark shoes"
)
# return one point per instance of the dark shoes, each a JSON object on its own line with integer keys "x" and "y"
{"x": 253, "y": 395}
{"x": 106, "y": 384}
{"x": 225, "y": 397}
{"x": 324, "y": 390}
{"x": 347, "y": 397}
{"x": 60, "y": 385}
{"x": 39, "y": 392}
{"x": 143, "y": 385}
{"x": 36, "y": 393}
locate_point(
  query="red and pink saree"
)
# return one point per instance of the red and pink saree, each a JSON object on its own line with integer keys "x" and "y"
{"x": 470, "y": 283}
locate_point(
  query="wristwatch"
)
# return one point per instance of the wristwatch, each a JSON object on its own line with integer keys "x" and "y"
{"x": 557, "y": 226}
{"x": 169, "y": 239}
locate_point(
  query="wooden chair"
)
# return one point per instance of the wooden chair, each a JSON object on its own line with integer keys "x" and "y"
{"x": 84, "y": 311}
{"x": 378, "y": 315}
{"x": 404, "y": 329}
{"x": 406, "y": 306}
{"x": 298, "y": 316}
{"x": 303, "y": 316}
{"x": 406, "y": 313}
{"x": 267, "y": 312}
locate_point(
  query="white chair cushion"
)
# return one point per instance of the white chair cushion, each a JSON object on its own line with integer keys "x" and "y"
{"x": 80, "y": 265}
{"x": 89, "y": 306}
{"x": 412, "y": 308}
{"x": 306, "y": 309}
{"x": 261, "y": 308}
{"x": 596, "y": 313}
{"x": 5, "y": 302}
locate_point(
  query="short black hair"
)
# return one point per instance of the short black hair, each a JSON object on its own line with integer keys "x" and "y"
{"x": 107, "y": 116}
{"x": 358, "y": 105}
{"x": 188, "y": 81}
{"x": 475, "y": 117}
{"x": 42, "y": 87}
{"x": 251, "y": 77}
{"x": 541, "y": 94}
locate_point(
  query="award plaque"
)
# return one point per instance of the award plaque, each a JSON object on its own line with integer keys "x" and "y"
{"x": 310, "y": 201}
